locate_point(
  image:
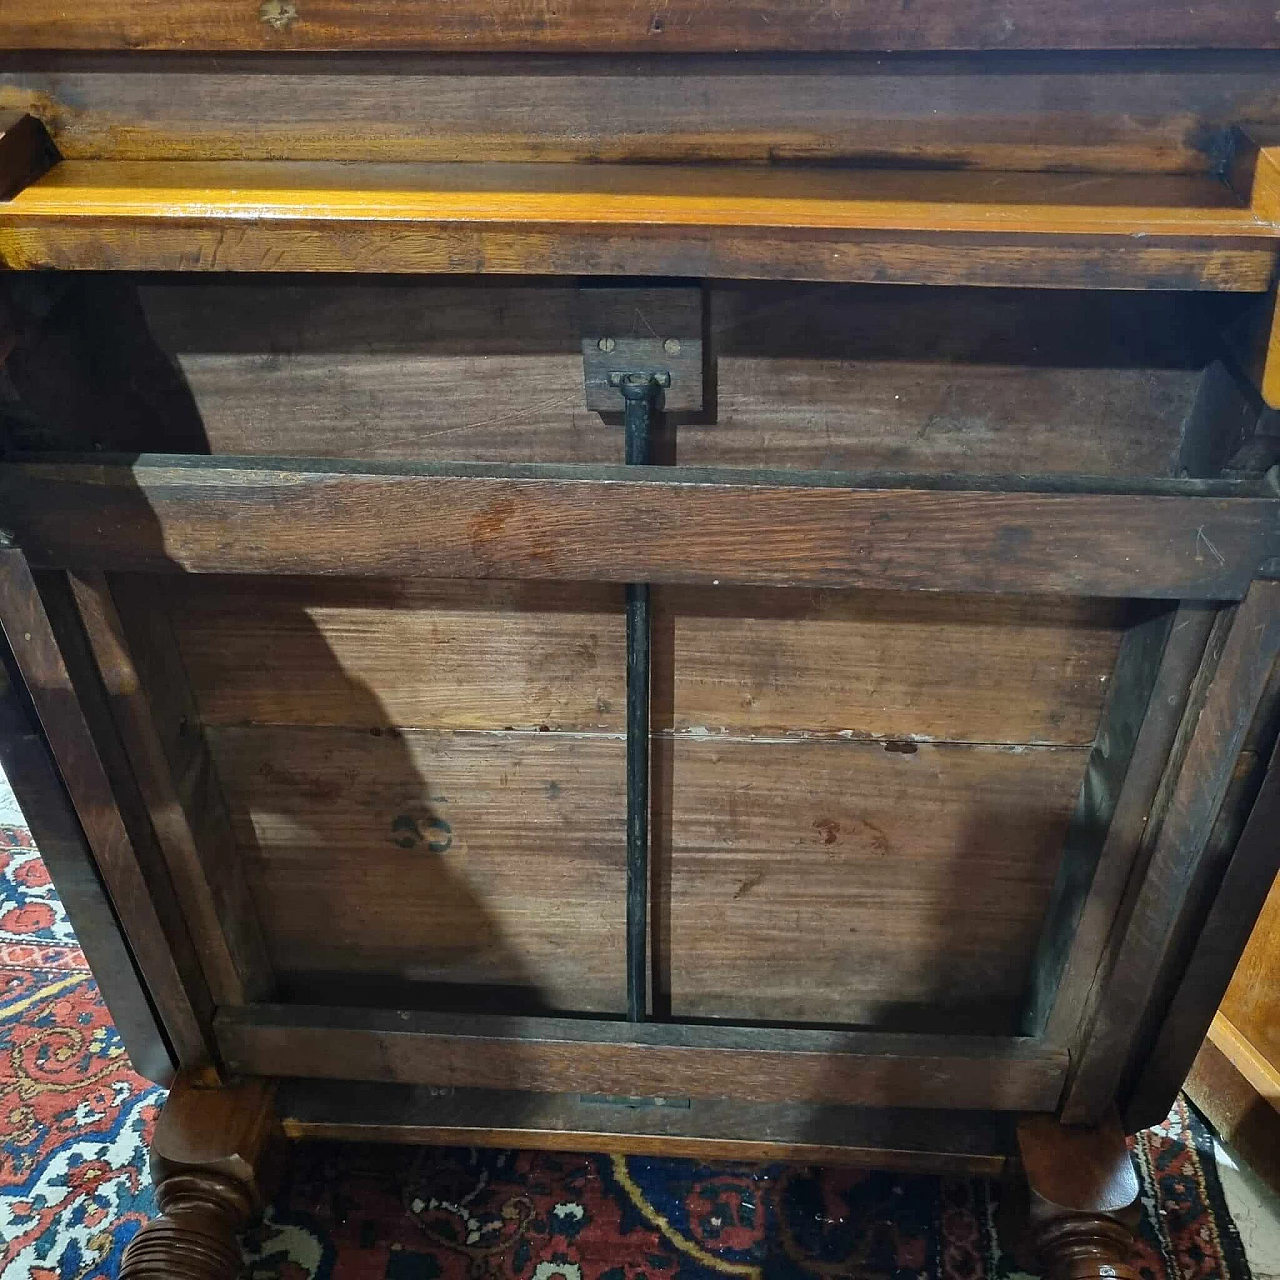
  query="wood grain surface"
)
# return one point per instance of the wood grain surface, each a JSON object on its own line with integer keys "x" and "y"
{"x": 640, "y": 219}
{"x": 1250, "y": 1010}
{"x": 798, "y": 529}
{"x": 597, "y": 25}
{"x": 147, "y": 695}
{"x": 1126, "y": 113}
{"x": 902, "y": 1139}
{"x": 91, "y": 760}
{"x": 497, "y": 655}
{"x": 627, "y": 196}
{"x": 948, "y": 379}
{"x": 583, "y": 1055}
{"x": 1182, "y": 861}
{"x": 468, "y": 858}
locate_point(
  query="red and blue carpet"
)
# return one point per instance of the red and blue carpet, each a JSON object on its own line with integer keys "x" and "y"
{"x": 75, "y": 1120}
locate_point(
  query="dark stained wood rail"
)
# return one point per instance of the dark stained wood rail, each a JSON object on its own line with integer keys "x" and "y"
{"x": 622, "y": 1058}
{"x": 598, "y": 25}
{"x": 1175, "y": 540}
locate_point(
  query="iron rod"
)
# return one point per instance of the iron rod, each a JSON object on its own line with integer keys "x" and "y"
{"x": 640, "y": 397}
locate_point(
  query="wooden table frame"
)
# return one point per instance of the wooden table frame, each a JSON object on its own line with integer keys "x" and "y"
{"x": 1169, "y": 854}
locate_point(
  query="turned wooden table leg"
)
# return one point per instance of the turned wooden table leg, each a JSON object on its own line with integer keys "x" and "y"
{"x": 211, "y": 1149}
{"x": 1083, "y": 1198}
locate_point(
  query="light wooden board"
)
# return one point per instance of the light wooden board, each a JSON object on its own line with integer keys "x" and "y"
{"x": 463, "y": 655}
{"x": 431, "y": 858}
{"x": 1251, "y": 1007}
{"x": 832, "y": 881}
{"x": 1151, "y": 230}
{"x": 513, "y": 874}
{"x": 958, "y": 380}
{"x": 439, "y": 655}
{"x": 227, "y": 192}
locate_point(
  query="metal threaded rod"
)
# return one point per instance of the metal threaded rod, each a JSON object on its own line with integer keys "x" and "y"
{"x": 641, "y": 395}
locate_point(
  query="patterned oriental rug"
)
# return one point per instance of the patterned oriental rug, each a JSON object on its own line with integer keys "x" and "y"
{"x": 75, "y": 1120}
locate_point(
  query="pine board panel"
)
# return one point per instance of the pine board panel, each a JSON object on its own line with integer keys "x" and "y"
{"x": 833, "y": 881}
{"x": 860, "y": 851}
{"x": 428, "y": 857}
{"x": 492, "y": 655}
{"x": 950, "y": 379}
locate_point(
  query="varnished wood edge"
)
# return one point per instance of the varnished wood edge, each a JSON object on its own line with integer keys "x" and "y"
{"x": 1262, "y": 1075}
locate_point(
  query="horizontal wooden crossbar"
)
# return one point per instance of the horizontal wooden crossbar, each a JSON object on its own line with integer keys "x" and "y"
{"x": 188, "y": 26}
{"x": 1186, "y": 231}
{"x": 1169, "y": 539}
{"x": 578, "y": 1055}
{"x": 898, "y": 1138}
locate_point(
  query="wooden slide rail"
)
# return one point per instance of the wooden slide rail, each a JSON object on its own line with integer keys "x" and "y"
{"x": 1172, "y": 539}
{"x": 848, "y": 1068}
{"x": 924, "y": 226}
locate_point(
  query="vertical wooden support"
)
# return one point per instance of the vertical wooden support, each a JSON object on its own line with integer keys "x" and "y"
{"x": 1183, "y": 862}
{"x": 1083, "y": 1198}
{"x": 212, "y": 1158}
{"x": 1089, "y": 837}
{"x": 1127, "y": 825}
{"x": 31, "y": 772}
{"x": 77, "y": 727}
{"x": 150, "y": 698}
{"x": 1244, "y": 889}
{"x": 641, "y": 397}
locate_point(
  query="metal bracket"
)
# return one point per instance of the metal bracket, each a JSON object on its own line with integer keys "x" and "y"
{"x": 645, "y": 329}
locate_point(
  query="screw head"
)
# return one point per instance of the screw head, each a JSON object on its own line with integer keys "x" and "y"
{"x": 672, "y": 346}
{"x": 606, "y": 344}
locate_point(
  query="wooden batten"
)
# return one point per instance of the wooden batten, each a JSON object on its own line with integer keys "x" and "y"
{"x": 569, "y": 1055}
{"x": 901, "y": 1139}
{"x": 55, "y": 665}
{"x": 910, "y": 225}
{"x": 591, "y": 26}
{"x": 147, "y": 690}
{"x": 1131, "y": 113}
{"x": 30, "y": 770}
{"x": 1178, "y": 540}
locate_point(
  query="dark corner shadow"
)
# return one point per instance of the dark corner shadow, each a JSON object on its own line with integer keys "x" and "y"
{"x": 388, "y": 921}
{"x": 953, "y": 992}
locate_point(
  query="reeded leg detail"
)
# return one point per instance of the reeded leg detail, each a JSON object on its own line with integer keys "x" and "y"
{"x": 208, "y": 1156}
{"x": 195, "y": 1236}
{"x": 1086, "y": 1247}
